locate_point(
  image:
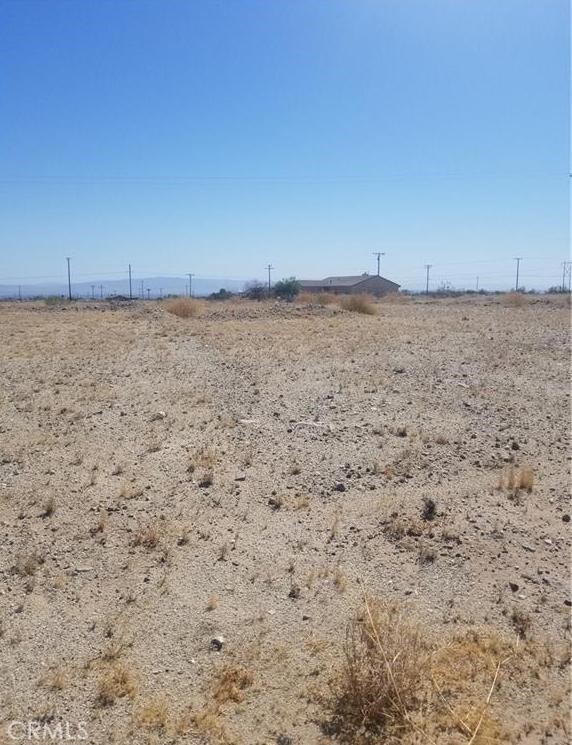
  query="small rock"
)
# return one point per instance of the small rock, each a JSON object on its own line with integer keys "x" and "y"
{"x": 294, "y": 592}
{"x": 565, "y": 518}
{"x": 217, "y": 643}
{"x": 284, "y": 740}
{"x": 513, "y": 586}
{"x": 339, "y": 486}
{"x": 240, "y": 477}
{"x": 514, "y": 445}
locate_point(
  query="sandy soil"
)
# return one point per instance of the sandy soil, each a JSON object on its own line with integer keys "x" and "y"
{"x": 171, "y": 485}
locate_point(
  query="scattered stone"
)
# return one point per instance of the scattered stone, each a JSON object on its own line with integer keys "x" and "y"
{"x": 217, "y": 643}
{"x": 240, "y": 477}
{"x": 339, "y": 486}
{"x": 514, "y": 445}
{"x": 294, "y": 592}
{"x": 513, "y": 586}
{"x": 284, "y": 740}
{"x": 566, "y": 518}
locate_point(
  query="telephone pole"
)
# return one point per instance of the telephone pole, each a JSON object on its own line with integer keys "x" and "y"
{"x": 379, "y": 254}
{"x": 190, "y": 276}
{"x": 142, "y": 291}
{"x": 69, "y": 278}
{"x": 130, "y": 288}
{"x": 270, "y": 268}
{"x": 148, "y": 293}
{"x": 101, "y": 292}
{"x": 427, "y": 268}
{"x": 20, "y": 293}
{"x": 518, "y": 259}
{"x": 93, "y": 292}
{"x": 477, "y": 282}
{"x": 566, "y": 272}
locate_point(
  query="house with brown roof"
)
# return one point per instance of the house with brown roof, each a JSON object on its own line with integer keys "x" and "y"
{"x": 373, "y": 284}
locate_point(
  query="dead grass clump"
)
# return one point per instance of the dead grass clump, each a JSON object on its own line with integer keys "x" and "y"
{"x": 397, "y": 686}
{"x": 515, "y": 300}
{"x": 117, "y": 682}
{"x": 386, "y": 664}
{"x": 516, "y": 479}
{"x": 27, "y": 566}
{"x": 231, "y": 684}
{"x": 183, "y": 307}
{"x": 358, "y": 304}
{"x": 316, "y": 298}
{"x": 147, "y": 537}
{"x": 153, "y": 714}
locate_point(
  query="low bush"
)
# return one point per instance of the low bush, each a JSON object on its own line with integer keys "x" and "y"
{"x": 183, "y": 307}
{"x": 358, "y": 304}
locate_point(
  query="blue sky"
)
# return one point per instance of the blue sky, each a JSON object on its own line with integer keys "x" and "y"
{"x": 215, "y": 136}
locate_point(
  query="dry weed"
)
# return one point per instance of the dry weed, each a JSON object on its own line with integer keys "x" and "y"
{"x": 515, "y": 300}
{"x": 153, "y": 714}
{"x": 397, "y": 686}
{"x": 117, "y": 682}
{"x": 183, "y": 307}
{"x": 358, "y": 304}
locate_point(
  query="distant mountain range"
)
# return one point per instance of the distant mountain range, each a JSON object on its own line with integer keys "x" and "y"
{"x": 152, "y": 287}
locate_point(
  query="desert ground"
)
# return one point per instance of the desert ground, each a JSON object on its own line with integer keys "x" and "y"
{"x": 199, "y": 517}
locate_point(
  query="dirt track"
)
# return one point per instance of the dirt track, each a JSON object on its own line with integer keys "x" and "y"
{"x": 246, "y": 474}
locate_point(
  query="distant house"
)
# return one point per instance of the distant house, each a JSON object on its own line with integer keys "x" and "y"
{"x": 370, "y": 283}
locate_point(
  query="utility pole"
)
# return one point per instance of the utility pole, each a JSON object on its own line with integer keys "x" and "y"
{"x": 477, "y": 282}
{"x": 142, "y": 291}
{"x": 101, "y": 291}
{"x": 190, "y": 275}
{"x": 270, "y": 268}
{"x": 518, "y": 259}
{"x": 93, "y": 292}
{"x": 148, "y": 293}
{"x": 20, "y": 293}
{"x": 427, "y": 267}
{"x": 379, "y": 254}
{"x": 130, "y": 289}
{"x": 161, "y": 292}
{"x": 69, "y": 278}
{"x": 566, "y": 270}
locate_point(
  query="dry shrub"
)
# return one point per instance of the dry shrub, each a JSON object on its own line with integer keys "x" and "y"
{"x": 397, "y": 686}
{"x": 517, "y": 479}
{"x": 386, "y": 663}
{"x": 358, "y": 304}
{"x": 395, "y": 297}
{"x": 515, "y": 300}
{"x": 183, "y": 307}
{"x": 317, "y": 298}
{"x": 153, "y": 714}
{"x": 147, "y": 537}
{"x": 117, "y": 682}
{"x": 231, "y": 682}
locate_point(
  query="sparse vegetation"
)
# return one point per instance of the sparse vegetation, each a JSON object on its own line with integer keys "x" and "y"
{"x": 183, "y": 307}
{"x": 358, "y": 304}
{"x": 116, "y": 682}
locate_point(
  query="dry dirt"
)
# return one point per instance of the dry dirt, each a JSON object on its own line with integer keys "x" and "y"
{"x": 169, "y": 485}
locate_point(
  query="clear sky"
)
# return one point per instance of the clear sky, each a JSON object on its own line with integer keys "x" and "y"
{"x": 215, "y": 136}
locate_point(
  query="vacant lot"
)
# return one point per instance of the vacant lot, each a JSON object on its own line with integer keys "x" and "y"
{"x": 193, "y": 509}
